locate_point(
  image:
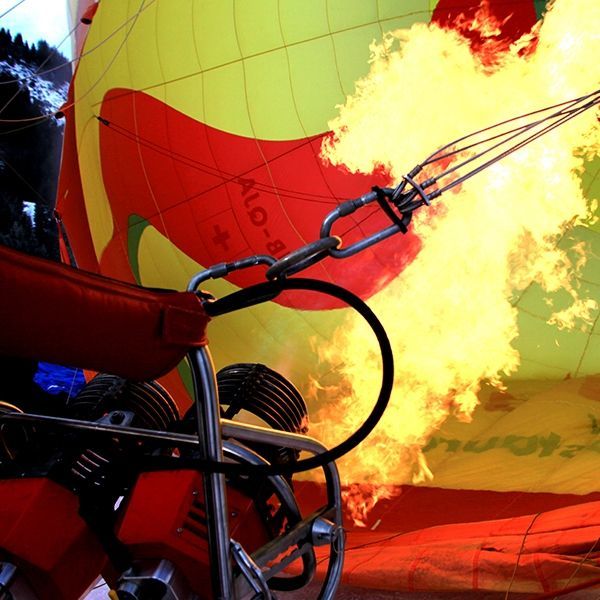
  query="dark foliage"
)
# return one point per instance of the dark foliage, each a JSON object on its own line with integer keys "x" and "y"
{"x": 52, "y": 65}
{"x": 29, "y": 151}
{"x": 33, "y": 232}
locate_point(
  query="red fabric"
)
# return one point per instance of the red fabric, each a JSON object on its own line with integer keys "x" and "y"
{"x": 530, "y": 554}
{"x": 219, "y": 196}
{"x": 412, "y": 508}
{"x": 59, "y": 314}
{"x": 69, "y": 197}
{"x": 549, "y": 541}
{"x": 513, "y": 18}
{"x": 88, "y": 15}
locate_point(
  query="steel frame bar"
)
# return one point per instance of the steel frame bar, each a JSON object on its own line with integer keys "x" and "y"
{"x": 239, "y": 431}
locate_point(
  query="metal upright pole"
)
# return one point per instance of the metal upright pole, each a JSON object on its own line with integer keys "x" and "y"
{"x": 215, "y": 496}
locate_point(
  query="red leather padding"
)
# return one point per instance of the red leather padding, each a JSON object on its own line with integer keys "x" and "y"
{"x": 55, "y": 313}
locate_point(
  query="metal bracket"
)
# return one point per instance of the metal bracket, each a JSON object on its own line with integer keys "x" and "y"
{"x": 251, "y": 571}
{"x": 163, "y": 574}
{"x": 304, "y": 257}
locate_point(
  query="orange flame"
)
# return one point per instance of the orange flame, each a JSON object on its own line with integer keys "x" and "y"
{"x": 484, "y": 30}
{"x": 449, "y": 314}
{"x": 360, "y": 498}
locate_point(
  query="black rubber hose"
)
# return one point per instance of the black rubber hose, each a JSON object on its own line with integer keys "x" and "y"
{"x": 266, "y": 291}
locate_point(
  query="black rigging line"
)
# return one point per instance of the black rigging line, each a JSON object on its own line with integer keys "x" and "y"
{"x": 224, "y": 175}
{"x": 85, "y": 53}
{"x": 512, "y": 149}
{"x": 564, "y": 116}
{"x": 38, "y": 71}
{"x": 407, "y": 200}
{"x": 11, "y": 8}
{"x": 342, "y": 30}
{"x": 434, "y": 157}
{"x": 44, "y": 117}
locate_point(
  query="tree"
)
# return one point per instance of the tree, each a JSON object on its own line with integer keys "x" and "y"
{"x": 5, "y": 43}
{"x": 29, "y": 156}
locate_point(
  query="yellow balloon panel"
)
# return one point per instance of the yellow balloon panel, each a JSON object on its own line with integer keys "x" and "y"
{"x": 533, "y": 437}
{"x": 153, "y": 48}
{"x": 546, "y": 350}
{"x": 284, "y": 338}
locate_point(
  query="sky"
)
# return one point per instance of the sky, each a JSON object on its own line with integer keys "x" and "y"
{"x": 37, "y": 19}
